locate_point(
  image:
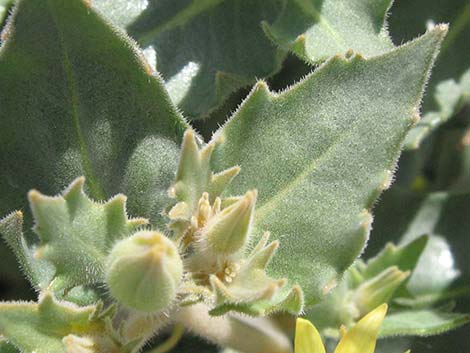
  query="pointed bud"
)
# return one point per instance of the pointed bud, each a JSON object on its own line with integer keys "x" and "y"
{"x": 378, "y": 289}
{"x": 221, "y": 180}
{"x": 144, "y": 271}
{"x": 228, "y": 231}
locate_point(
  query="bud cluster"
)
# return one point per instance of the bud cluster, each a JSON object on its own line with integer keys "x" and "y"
{"x": 214, "y": 233}
{"x": 146, "y": 273}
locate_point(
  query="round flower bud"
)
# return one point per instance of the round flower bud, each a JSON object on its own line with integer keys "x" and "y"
{"x": 144, "y": 271}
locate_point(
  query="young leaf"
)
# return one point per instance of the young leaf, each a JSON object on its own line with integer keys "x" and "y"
{"x": 367, "y": 285}
{"x": 76, "y": 233}
{"x": 38, "y": 272}
{"x": 317, "y": 29}
{"x": 208, "y": 49}
{"x": 40, "y": 328}
{"x": 321, "y": 152}
{"x": 78, "y": 99}
{"x": 421, "y": 323}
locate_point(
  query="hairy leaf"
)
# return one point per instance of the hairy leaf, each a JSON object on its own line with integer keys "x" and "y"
{"x": 76, "y": 233}
{"x": 38, "y": 272}
{"x": 321, "y": 152}
{"x": 449, "y": 86}
{"x": 318, "y": 29}
{"x": 81, "y": 103}
{"x": 41, "y": 327}
{"x": 421, "y": 323}
{"x": 208, "y": 49}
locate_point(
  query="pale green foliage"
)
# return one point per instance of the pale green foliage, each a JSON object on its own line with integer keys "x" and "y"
{"x": 42, "y": 327}
{"x": 318, "y": 29}
{"x": 378, "y": 281}
{"x": 76, "y": 233}
{"x": 331, "y": 145}
{"x": 422, "y": 322}
{"x": 105, "y": 115}
{"x": 214, "y": 234}
{"x": 304, "y": 166}
{"x": 207, "y": 49}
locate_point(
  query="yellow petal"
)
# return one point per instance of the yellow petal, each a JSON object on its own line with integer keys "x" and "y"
{"x": 361, "y": 338}
{"x": 307, "y": 338}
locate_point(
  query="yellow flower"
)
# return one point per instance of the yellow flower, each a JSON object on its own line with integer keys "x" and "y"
{"x": 361, "y": 338}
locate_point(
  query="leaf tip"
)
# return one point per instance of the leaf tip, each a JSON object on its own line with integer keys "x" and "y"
{"x": 261, "y": 86}
{"x": 34, "y": 196}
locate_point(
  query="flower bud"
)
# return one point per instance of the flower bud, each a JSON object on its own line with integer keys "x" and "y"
{"x": 228, "y": 231}
{"x": 378, "y": 289}
{"x": 144, "y": 271}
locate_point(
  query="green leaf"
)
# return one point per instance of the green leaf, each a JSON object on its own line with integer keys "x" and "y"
{"x": 421, "y": 323}
{"x": 449, "y": 86}
{"x": 208, "y": 49}
{"x": 317, "y": 29}
{"x": 41, "y": 327}
{"x": 75, "y": 104}
{"x": 38, "y": 272}
{"x": 321, "y": 152}
{"x": 443, "y": 216}
{"x": 364, "y": 283}
{"x": 76, "y": 233}
{"x": 405, "y": 257}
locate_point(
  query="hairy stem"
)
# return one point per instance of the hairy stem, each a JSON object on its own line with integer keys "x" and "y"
{"x": 247, "y": 335}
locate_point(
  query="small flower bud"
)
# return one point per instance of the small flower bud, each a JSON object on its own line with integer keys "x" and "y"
{"x": 144, "y": 271}
{"x": 378, "y": 289}
{"x": 227, "y": 232}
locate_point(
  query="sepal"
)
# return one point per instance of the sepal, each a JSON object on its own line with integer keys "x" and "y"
{"x": 379, "y": 289}
{"x": 227, "y": 231}
{"x": 248, "y": 289}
